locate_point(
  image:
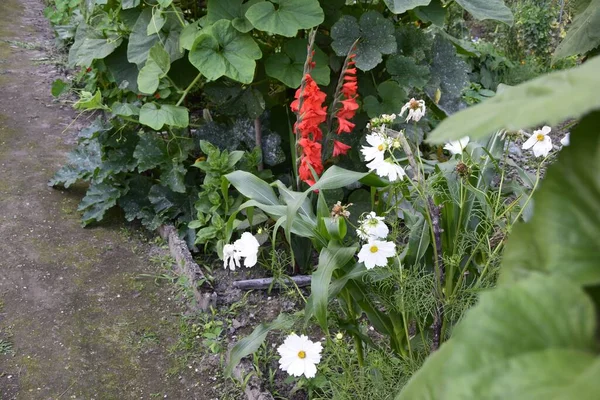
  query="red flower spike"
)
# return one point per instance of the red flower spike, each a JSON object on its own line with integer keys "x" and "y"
{"x": 344, "y": 125}
{"x": 340, "y": 149}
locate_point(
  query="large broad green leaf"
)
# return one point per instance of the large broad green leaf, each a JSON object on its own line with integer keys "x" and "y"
{"x": 376, "y": 35}
{"x": 151, "y": 151}
{"x": 253, "y": 187}
{"x": 125, "y": 109}
{"x": 127, "y": 4}
{"x": 407, "y": 72}
{"x": 288, "y": 65}
{"x": 99, "y": 198}
{"x": 157, "y": 66}
{"x": 83, "y": 163}
{"x": 91, "y": 44}
{"x": 335, "y": 178}
{"x": 435, "y": 13}
{"x": 533, "y": 340}
{"x": 448, "y": 76}
{"x": 224, "y": 51}
{"x": 584, "y": 32}
{"x": 140, "y": 42}
{"x": 123, "y": 72}
{"x": 156, "y": 116}
{"x": 157, "y": 21}
{"x": 252, "y": 342}
{"x": 488, "y": 9}
{"x": 400, "y": 6}
{"x": 391, "y": 99}
{"x": 173, "y": 176}
{"x": 563, "y": 237}
{"x": 285, "y": 17}
{"x": 331, "y": 258}
{"x": 232, "y": 10}
{"x": 548, "y": 99}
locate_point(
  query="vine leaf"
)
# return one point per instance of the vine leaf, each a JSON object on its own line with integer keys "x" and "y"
{"x": 407, "y": 72}
{"x": 157, "y": 66}
{"x": 140, "y": 42}
{"x": 156, "y": 116}
{"x": 157, "y": 21}
{"x": 150, "y": 151}
{"x": 288, "y": 65}
{"x": 88, "y": 101}
{"x": 583, "y": 34}
{"x": 434, "y": 12}
{"x": 401, "y": 6}
{"x": 538, "y": 101}
{"x": 232, "y": 10}
{"x": 124, "y": 109}
{"x": 289, "y": 16}
{"x": 223, "y": 51}
{"x": 530, "y": 340}
{"x": 91, "y": 44}
{"x": 376, "y": 34}
{"x": 99, "y": 198}
{"x": 83, "y": 163}
{"x": 392, "y": 98}
{"x": 565, "y": 227}
{"x": 488, "y": 9}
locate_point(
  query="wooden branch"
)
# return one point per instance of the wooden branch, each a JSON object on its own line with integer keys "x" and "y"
{"x": 265, "y": 283}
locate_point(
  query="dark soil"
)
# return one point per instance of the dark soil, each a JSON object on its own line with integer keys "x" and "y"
{"x": 77, "y": 318}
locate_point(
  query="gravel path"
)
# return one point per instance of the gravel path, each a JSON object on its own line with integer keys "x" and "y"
{"x": 76, "y": 319}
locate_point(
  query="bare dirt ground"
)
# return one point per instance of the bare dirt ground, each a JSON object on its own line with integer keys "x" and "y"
{"x": 76, "y": 319}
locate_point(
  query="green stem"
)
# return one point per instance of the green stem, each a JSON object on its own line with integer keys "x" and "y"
{"x": 187, "y": 89}
{"x": 178, "y": 16}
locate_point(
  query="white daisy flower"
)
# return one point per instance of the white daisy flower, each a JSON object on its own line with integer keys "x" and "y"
{"x": 372, "y": 227}
{"x": 245, "y": 247}
{"x": 379, "y": 144}
{"x": 540, "y": 142}
{"x": 387, "y": 168}
{"x": 566, "y": 140}
{"x": 457, "y": 146}
{"x": 299, "y": 356}
{"x": 375, "y": 253}
{"x": 416, "y": 110}
{"x": 231, "y": 259}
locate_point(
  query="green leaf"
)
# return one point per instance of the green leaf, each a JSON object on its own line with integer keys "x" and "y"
{"x": 164, "y": 3}
{"x": 125, "y": 109}
{"x": 232, "y": 10}
{"x": 583, "y": 34}
{"x": 91, "y": 44}
{"x": 223, "y": 51}
{"x": 563, "y": 236}
{"x": 448, "y": 75}
{"x": 530, "y": 340}
{"x": 123, "y": 72}
{"x": 401, "y": 6}
{"x": 172, "y": 175}
{"x": 392, "y": 98}
{"x": 435, "y": 13}
{"x": 407, "y": 72}
{"x": 83, "y": 163}
{"x": 87, "y": 101}
{"x": 157, "y": 21}
{"x": 99, "y": 198}
{"x": 140, "y": 42}
{"x": 151, "y": 151}
{"x": 530, "y": 104}
{"x": 376, "y": 35}
{"x": 336, "y": 177}
{"x": 59, "y": 87}
{"x": 252, "y": 342}
{"x": 127, "y": 4}
{"x": 488, "y": 9}
{"x": 287, "y": 18}
{"x": 189, "y": 34}
{"x": 155, "y": 116}
{"x": 157, "y": 66}
{"x": 331, "y": 258}
{"x": 288, "y": 65}
{"x": 418, "y": 238}
{"x": 253, "y": 187}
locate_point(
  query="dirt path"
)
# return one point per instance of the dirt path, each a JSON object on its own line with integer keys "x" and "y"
{"x": 76, "y": 319}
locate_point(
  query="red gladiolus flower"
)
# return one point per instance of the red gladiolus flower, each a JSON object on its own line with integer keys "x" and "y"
{"x": 349, "y": 105}
{"x": 340, "y": 148}
{"x": 311, "y": 114}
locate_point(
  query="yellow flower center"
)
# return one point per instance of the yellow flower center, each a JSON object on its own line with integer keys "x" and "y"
{"x": 374, "y": 249}
{"x": 301, "y": 354}
{"x": 380, "y": 147}
{"x": 540, "y": 137}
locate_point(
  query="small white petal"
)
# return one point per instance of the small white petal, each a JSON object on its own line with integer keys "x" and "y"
{"x": 566, "y": 140}
{"x": 530, "y": 142}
